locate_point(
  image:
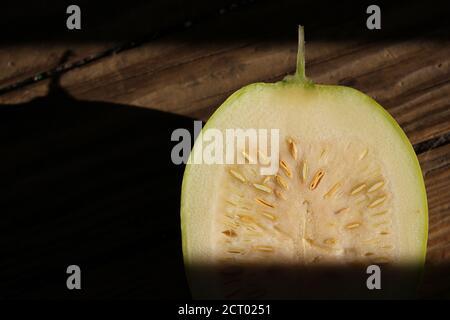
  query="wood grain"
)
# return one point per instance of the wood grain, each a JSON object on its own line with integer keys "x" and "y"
{"x": 436, "y": 169}
{"x": 186, "y": 73}
{"x": 38, "y": 39}
{"x": 190, "y": 72}
{"x": 193, "y": 80}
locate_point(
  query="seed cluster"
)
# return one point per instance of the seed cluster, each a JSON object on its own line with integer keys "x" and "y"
{"x": 339, "y": 211}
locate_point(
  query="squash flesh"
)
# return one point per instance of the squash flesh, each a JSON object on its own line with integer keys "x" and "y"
{"x": 364, "y": 146}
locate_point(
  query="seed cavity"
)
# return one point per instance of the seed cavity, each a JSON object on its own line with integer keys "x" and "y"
{"x": 330, "y": 241}
{"x": 264, "y": 202}
{"x": 281, "y": 182}
{"x": 357, "y": 189}
{"x": 377, "y": 202}
{"x": 293, "y": 149}
{"x": 312, "y": 243}
{"x": 353, "y": 225}
{"x": 229, "y": 233}
{"x": 264, "y": 248}
{"x": 286, "y": 168}
{"x": 342, "y": 210}
{"x": 304, "y": 170}
{"x": 270, "y": 224}
{"x": 237, "y": 175}
{"x": 375, "y": 186}
{"x": 316, "y": 179}
{"x": 269, "y": 216}
{"x": 363, "y": 154}
{"x": 246, "y": 218}
{"x": 262, "y": 187}
{"x": 332, "y": 191}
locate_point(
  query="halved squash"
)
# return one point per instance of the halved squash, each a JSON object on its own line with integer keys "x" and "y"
{"x": 348, "y": 193}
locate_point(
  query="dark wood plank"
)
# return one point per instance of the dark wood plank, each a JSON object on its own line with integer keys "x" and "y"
{"x": 436, "y": 168}
{"x": 410, "y": 78}
{"x": 193, "y": 71}
{"x": 188, "y": 74}
{"x": 37, "y": 40}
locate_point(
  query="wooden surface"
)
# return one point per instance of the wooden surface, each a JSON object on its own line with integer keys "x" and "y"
{"x": 188, "y": 65}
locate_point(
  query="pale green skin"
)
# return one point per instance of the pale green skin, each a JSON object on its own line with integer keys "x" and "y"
{"x": 346, "y": 90}
{"x": 303, "y": 83}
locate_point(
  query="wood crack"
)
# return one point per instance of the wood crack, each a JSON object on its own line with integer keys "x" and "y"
{"x": 433, "y": 143}
{"x": 179, "y": 27}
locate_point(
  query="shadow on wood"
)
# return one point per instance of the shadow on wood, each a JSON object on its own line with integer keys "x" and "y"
{"x": 90, "y": 184}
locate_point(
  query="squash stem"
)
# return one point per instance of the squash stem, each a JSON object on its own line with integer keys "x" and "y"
{"x": 300, "y": 72}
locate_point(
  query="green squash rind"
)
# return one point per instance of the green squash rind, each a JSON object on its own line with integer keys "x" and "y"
{"x": 342, "y": 90}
